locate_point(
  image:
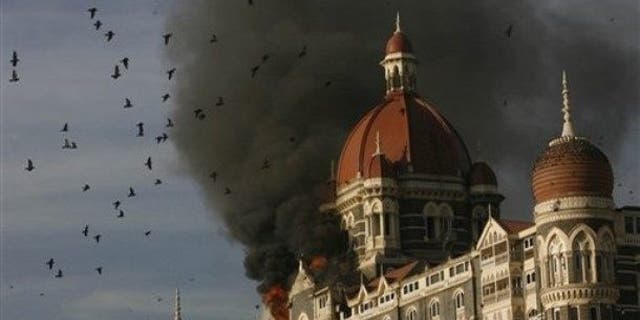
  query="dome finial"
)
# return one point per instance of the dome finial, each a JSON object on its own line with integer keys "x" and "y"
{"x": 398, "y": 21}
{"x": 567, "y": 127}
{"x": 178, "y": 315}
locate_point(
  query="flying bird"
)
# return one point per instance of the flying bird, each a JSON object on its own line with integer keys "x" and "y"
{"x": 266, "y": 164}
{"x": 509, "y": 31}
{"x": 165, "y": 97}
{"x": 169, "y": 123}
{"x": 85, "y": 231}
{"x": 109, "y": 34}
{"x": 97, "y": 237}
{"x": 14, "y": 76}
{"x": 50, "y": 263}
{"x": 85, "y": 187}
{"x": 67, "y": 144}
{"x": 227, "y": 190}
{"x": 166, "y": 38}
{"x": 170, "y": 73}
{"x": 302, "y": 52}
{"x": 59, "y": 274}
{"x": 250, "y": 2}
{"x": 148, "y": 163}
{"x": 254, "y": 70}
{"x": 65, "y": 128}
{"x": 127, "y": 103}
{"x": 29, "y": 166}
{"x": 157, "y": 182}
{"x": 213, "y": 176}
{"x": 327, "y": 83}
{"x": 140, "y": 126}
{"x": 147, "y": 233}
{"x": 132, "y": 193}
{"x": 116, "y": 204}
{"x": 74, "y": 145}
{"x": 125, "y": 62}
{"x": 99, "y": 269}
{"x": 197, "y": 112}
{"x": 220, "y": 101}
{"x": 14, "y": 59}
{"x": 120, "y": 214}
{"x": 92, "y": 12}
{"x": 265, "y": 57}
{"x": 97, "y": 24}
{"x": 116, "y": 72}
{"x": 214, "y": 38}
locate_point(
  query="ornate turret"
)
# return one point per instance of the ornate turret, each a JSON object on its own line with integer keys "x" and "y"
{"x": 399, "y": 62}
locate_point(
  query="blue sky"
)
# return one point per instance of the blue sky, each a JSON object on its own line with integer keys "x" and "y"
{"x": 64, "y": 70}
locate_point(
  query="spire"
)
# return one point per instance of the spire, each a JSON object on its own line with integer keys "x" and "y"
{"x": 398, "y": 22}
{"x": 378, "y": 149}
{"x": 177, "y": 315}
{"x": 567, "y": 127}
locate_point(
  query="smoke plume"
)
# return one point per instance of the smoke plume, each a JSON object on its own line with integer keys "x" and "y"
{"x": 501, "y": 93}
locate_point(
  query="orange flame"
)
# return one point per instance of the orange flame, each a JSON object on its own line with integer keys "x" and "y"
{"x": 276, "y": 299}
{"x": 318, "y": 263}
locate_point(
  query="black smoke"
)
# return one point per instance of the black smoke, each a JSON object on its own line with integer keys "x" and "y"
{"x": 501, "y": 93}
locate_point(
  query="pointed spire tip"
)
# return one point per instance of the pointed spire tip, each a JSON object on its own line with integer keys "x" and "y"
{"x": 398, "y": 22}
{"x": 567, "y": 126}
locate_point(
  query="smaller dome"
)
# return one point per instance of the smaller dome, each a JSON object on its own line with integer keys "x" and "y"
{"x": 481, "y": 174}
{"x": 398, "y": 43}
{"x": 571, "y": 166}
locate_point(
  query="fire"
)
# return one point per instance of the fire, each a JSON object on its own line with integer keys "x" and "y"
{"x": 318, "y": 263}
{"x": 276, "y": 299}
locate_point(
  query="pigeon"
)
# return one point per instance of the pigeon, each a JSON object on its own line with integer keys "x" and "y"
{"x": 302, "y": 52}
{"x": 66, "y": 144}
{"x": 59, "y": 274}
{"x": 120, "y": 214}
{"x": 165, "y": 97}
{"x": 65, "y": 128}
{"x": 164, "y": 136}
{"x": 148, "y": 163}
{"x": 157, "y": 182}
{"x": 74, "y": 145}
{"x": 509, "y": 31}
{"x": 266, "y": 164}
{"x": 14, "y": 76}
{"x": 220, "y": 102}
{"x": 85, "y": 231}
{"x": 147, "y": 233}
{"x": 213, "y": 38}
{"x": 169, "y": 123}
{"x": 158, "y": 139}
{"x": 140, "y": 126}
{"x": 254, "y": 70}
{"x": 29, "y": 166}
{"x": 99, "y": 269}
{"x": 92, "y": 12}
{"x": 109, "y": 34}
{"x": 170, "y": 73}
{"x": 132, "y": 193}
{"x": 97, "y": 237}
{"x": 97, "y": 24}
{"x": 42, "y": 294}
{"x": 116, "y": 205}
{"x": 166, "y": 38}
{"x": 227, "y": 190}
{"x": 265, "y": 57}
{"x": 250, "y": 2}
{"x": 116, "y": 72}
{"x": 50, "y": 263}
{"x": 213, "y": 176}
{"x": 125, "y": 62}
{"x": 14, "y": 59}
{"x": 86, "y": 187}
{"x": 127, "y": 103}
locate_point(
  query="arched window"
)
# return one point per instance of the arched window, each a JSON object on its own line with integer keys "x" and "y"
{"x": 459, "y": 300}
{"x": 557, "y": 262}
{"x": 446, "y": 219}
{"x": 412, "y": 314}
{"x": 303, "y": 316}
{"x": 430, "y": 212}
{"x": 434, "y": 308}
{"x": 395, "y": 77}
{"x": 582, "y": 257}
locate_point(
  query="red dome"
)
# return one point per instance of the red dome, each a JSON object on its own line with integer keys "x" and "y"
{"x": 398, "y": 43}
{"x": 481, "y": 174}
{"x": 411, "y": 132}
{"x": 572, "y": 167}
